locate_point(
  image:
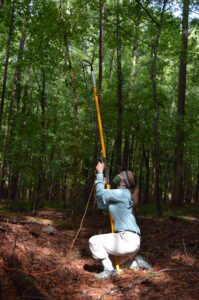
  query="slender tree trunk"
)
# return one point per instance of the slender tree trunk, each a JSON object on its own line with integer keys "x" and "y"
{"x": 119, "y": 88}
{"x": 178, "y": 187}
{"x": 17, "y": 172}
{"x": 156, "y": 134}
{"x": 188, "y": 183}
{"x": 101, "y": 47}
{"x": 71, "y": 71}
{"x": 17, "y": 76}
{"x": 14, "y": 184}
{"x": 112, "y": 160}
{"x": 197, "y": 184}
{"x": 126, "y": 152}
{"x": 64, "y": 191}
{"x": 140, "y": 175}
{"x": 101, "y": 60}
{"x": 147, "y": 177}
{"x": 13, "y": 109}
{"x": 111, "y": 65}
{"x": 1, "y": 4}
{"x": 132, "y": 151}
{"x": 76, "y": 160}
{"x": 101, "y": 52}
{"x": 135, "y": 47}
{"x": 10, "y": 32}
{"x": 156, "y": 113}
{"x": 41, "y": 167}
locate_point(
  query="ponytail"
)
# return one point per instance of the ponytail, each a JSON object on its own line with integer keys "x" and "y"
{"x": 135, "y": 196}
{"x": 135, "y": 192}
{"x": 129, "y": 181}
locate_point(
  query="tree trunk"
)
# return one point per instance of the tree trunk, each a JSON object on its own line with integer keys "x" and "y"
{"x": 13, "y": 109}
{"x": 1, "y": 4}
{"x": 71, "y": 71}
{"x": 76, "y": 160}
{"x": 101, "y": 47}
{"x": 132, "y": 151}
{"x": 147, "y": 177}
{"x": 156, "y": 113}
{"x": 126, "y": 152}
{"x": 156, "y": 133}
{"x": 111, "y": 66}
{"x": 140, "y": 176}
{"x": 119, "y": 89}
{"x": 96, "y": 150}
{"x": 14, "y": 184}
{"x": 197, "y": 184}
{"x": 10, "y": 32}
{"x": 112, "y": 160}
{"x": 41, "y": 167}
{"x": 135, "y": 47}
{"x": 178, "y": 187}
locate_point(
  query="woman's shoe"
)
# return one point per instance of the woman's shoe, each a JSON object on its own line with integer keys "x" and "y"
{"x": 140, "y": 263}
{"x": 105, "y": 274}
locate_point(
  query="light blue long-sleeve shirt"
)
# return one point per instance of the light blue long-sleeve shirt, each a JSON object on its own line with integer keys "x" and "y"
{"x": 119, "y": 203}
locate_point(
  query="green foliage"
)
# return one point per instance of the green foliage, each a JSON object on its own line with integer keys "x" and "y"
{"x": 21, "y": 206}
{"x": 69, "y": 150}
{"x": 178, "y": 213}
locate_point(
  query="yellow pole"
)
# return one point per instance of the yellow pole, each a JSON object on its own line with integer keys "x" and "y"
{"x": 99, "y": 120}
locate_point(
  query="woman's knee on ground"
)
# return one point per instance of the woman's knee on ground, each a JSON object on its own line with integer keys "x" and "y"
{"x": 96, "y": 248}
{"x": 94, "y": 240}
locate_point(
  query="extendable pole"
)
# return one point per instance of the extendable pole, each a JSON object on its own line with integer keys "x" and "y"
{"x": 99, "y": 120}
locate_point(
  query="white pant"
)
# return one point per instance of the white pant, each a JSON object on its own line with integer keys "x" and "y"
{"x": 123, "y": 244}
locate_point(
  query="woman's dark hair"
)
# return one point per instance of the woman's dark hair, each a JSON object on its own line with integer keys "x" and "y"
{"x": 135, "y": 196}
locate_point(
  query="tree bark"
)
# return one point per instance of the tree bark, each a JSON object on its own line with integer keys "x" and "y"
{"x": 197, "y": 184}
{"x": 71, "y": 71}
{"x": 132, "y": 152}
{"x": 13, "y": 109}
{"x": 111, "y": 66}
{"x": 156, "y": 113}
{"x": 41, "y": 167}
{"x": 10, "y": 32}
{"x": 76, "y": 160}
{"x": 101, "y": 47}
{"x": 96, "y": 150}
{"x": 178, "y": 186}
{"x": 126, "y": 151}
{"x": 14, "y": 184}
{"x": 147, "y": 177}
{"x": 135, "y": 47}
{"x": 119, "y": 88}
{"x": 1, "y": 4}
{"x": 140, "y": 176}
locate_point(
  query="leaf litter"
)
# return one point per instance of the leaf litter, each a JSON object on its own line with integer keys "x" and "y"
{"x": 35, "y": 265}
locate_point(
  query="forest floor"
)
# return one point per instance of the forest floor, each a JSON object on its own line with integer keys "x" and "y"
{"x": 35, "y": 264}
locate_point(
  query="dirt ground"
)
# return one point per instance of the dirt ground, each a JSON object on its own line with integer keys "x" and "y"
{"x": 35, "y": 264}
